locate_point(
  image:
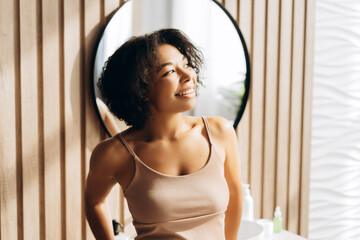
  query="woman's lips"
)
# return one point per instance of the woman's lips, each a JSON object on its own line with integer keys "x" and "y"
{"x": 186, "y": 92}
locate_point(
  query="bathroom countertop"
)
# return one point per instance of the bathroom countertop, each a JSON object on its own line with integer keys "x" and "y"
{"x": 284, "y": 235}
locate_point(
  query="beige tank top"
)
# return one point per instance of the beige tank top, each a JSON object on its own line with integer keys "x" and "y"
{"x": 170, "y": 207}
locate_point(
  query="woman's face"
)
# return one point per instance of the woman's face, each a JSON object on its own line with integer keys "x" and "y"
{"x": 172, "y": 85}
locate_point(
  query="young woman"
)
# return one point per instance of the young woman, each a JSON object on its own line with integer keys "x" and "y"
{"x": 179, "y": 174}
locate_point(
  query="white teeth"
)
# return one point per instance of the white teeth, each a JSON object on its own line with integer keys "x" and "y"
{"x": 186, "y": 92}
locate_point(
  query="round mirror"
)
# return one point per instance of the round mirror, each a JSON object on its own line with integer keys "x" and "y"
{"x": 226, "y": 72}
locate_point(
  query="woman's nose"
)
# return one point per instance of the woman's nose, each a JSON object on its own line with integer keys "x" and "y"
{"x": 186, "y": 74}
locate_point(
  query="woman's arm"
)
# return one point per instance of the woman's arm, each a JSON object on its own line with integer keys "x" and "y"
{"x": 232, "y": 175}
{"x": 98, "y": 185}
{"x": 227, "y": 135}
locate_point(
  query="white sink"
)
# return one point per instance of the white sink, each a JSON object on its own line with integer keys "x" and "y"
{"x": 250, "y": 231}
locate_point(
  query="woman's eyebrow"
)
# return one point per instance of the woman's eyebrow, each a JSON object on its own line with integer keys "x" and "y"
{"x": 158, "y": 69}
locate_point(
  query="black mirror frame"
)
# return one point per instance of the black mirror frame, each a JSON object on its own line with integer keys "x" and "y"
{"x": 246, "y": 54}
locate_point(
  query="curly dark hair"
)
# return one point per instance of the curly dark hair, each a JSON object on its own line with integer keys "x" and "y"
{"x": 126, "y": 74}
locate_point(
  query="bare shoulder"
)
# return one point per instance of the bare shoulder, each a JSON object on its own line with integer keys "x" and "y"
{"x": 109, "y": 157}
{"x": 220, "y": 127}
{"x": 222, "y": 132}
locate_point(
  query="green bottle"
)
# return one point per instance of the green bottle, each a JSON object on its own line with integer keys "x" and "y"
{"x": 277, "y": 220}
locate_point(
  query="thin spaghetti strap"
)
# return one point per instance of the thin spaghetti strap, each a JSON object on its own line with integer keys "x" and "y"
{"x": 207, "y": 129}
{"x": 122, "y": 139}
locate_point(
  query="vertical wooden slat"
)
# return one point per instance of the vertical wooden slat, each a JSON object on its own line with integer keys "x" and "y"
{"x": 51, "y": 93}
{"x": 8, "y": 151}
{"x": 62, "y": 118}
{"x": 110, "y": 6}
{"x": 93, "y": 129}
{"x": 271, "y": 79}
{"x": 296, "y": 116}
{"x": 40, "y": 98}
{"x": 72, "y": 105}
{"x": 19, "y": 165}
{"x": 307, "y": 105}
{"x": 283, "y": 107}
{"x": 232, "y": 7}
{"x": 83, "y": 93}
{"x": 245, "y": 21}
{"x": 30, "y": 120}
{"x": 257, "y": 104}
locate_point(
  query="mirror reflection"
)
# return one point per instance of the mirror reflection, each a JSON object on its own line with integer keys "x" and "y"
{"x": 225, "y": 73}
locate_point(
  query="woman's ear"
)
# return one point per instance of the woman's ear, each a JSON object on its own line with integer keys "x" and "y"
{"x": 146, "y": 97}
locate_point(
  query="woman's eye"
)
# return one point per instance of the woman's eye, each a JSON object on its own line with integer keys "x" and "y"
{"x": 168, "y": 72}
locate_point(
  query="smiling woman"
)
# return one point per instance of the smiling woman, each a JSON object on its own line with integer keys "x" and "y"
{"x": 137, "y": 74}
{"x": 166, "y": 161}
{"x": 226, "y": 68}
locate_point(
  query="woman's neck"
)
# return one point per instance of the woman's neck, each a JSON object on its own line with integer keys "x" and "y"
{"x": 166, "y": 126}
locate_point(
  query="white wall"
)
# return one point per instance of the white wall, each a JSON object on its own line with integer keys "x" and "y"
{"x": 335, "y": 145}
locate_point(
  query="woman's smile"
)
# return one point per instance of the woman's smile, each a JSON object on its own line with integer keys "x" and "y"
{"x": 186, "y": 93}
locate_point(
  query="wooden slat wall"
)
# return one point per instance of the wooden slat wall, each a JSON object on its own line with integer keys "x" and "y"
{"x": 53, "y": 125}
{"x": 243, "y": 130}
{"x": 30, "y": 129}
{"x": 274, "y": 133}
{"x": 257, "y": 96}
{"x": 282, "y": 148}
{"x": 306, "y": 117}
{"x": 270, "y": 111}
{"x": 10, "y": 204}
{"x": 49, "y": 127}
